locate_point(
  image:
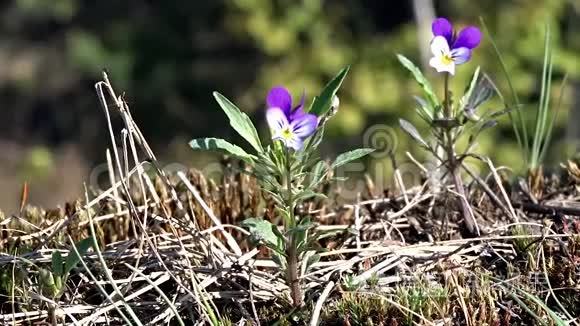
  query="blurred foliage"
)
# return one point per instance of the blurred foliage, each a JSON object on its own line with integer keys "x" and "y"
{"x": 170, "y": 55}
{"x": 37, "y": 162}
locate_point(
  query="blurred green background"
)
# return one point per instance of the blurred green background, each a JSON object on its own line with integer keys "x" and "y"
{"x": 168, "y": 56}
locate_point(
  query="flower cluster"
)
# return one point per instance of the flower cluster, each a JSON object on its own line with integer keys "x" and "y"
{"x": 289, "y": 125}
{"x": 450, "y": 49}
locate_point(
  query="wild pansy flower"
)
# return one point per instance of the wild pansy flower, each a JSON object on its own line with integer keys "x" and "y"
{"x": 450, "y": 49}
{"x": 290, "y": 125}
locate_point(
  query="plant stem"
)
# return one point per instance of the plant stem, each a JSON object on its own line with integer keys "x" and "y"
{"x": 291, "y": 250}
{"x": 446, "y": 104}
{"x": 453, "y": 165}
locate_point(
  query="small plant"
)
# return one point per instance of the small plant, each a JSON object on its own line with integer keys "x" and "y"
{"x": 361, "y": 309}
{"x": 524, "y": 243}
{"x": 373, "y": 281}
{"x": 350, "y": 283}
{"x": 534, "y": 151}
{"x": 449, "y": 120}
{"x": 289, "y": 170}
{"x": 53, "y": 281}
{"x": 421, "y": 300}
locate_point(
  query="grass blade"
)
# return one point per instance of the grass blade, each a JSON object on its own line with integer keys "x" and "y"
{"x": 544, "y": 105}
{"x": 553, "y": 120}
{"x": 518, "y": 122}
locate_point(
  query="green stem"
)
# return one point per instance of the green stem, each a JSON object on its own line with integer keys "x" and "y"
{"x": 291, "y": 250}
{"x": 446, "y": 104}
{"x": 453, "y": 164}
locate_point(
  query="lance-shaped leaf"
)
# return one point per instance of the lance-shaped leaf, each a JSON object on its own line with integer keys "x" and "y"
{"x": 47, "y": 282}
{"x": 486, "y": 125}
{"x": 350, "y": 156}
{"x": 480, "y": 90}
{"x": 465, "y": 99}
{"x": 73, "y": 259}
{"x": 240, "y": 122}
{"x": 412, "y": 131}
{"x": 310, "y": 258}
{"x": 322, "y": 103}
{"x": 422, "y": 81}
{"x": 308, "y": 194}
{"x": 265, "y": 232}
{"x": 221, "y": 145}
{"x": 424, "y": 109}
{"x": 317, "y": 174}
{"x": 312, "y": 142}
{"x": 57, "y": 263}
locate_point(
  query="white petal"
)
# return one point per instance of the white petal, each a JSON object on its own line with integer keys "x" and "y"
{"x": 439, "y": 46}
{"x": 451, "y": 69}
{"x": 277, "y": 121}
{"x": 440, "y": 65}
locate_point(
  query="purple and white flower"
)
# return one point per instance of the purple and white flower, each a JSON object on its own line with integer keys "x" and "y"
{"x": 450, "y": 49}
{"x": 289, "y": 125}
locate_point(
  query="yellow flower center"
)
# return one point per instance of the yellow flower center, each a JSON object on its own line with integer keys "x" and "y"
{"x": 446, "y": 59}
{"x": 287, "y": 134}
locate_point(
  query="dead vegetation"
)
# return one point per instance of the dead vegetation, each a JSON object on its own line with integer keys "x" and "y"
{"x": 167, "y": 249}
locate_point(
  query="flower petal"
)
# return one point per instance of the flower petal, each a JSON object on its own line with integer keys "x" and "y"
{"x": 438, "y": 63}
{"x": 461, "y": 55}
{"x": 301, "y": 104}
{"x": 279, "y": 97}
{"x": 298, "y": 111}
{"x": 469, "y": 37}
{"x": 297, "y": 114}
{"x": 439, "y": 46}
{"x": 442, "y": 27}
{"x": 304, "y": 125}
{"x": 277, "y": 121}
{"x": 294, "y": 143}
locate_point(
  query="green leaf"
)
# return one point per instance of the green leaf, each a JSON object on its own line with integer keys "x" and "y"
{"x": 350, "y": 156}
{"x": 317, "y": 174}
{"x": 309, "y": 258}
{"x": 322, "y": 103}
{"x": 483, "y": 126}
{"x": 307, "y": 194}
{"x": 315, "y": 258}
{"x": 424, "y": 109}
{"x": 555, "y": 318}
{"x": 240, "y": 122}
{"x": 47, "y": 283}
{"x": 221, "y": 145}
{"x": 57, "y": 263}
{"x": 73, "y": 259}
{"x": 46, "y": 278}
{"x": 300, "y": 234}
{"x": 423, "y": 82}
{"x": 412, "y": 131}
{"x": 280, "y": 260}
{"x": 263, "y": 231}
{"x": 480, "y": 91}
{"x": 58, "y": 285}
{"x": 517, "y": 120}
{"x": 465, "y": 99}
{"x": 488, "y": 124}
{"x": 312, "y": 143}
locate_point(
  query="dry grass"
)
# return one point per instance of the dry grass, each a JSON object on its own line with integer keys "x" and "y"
{"x": 167, "y": 251}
